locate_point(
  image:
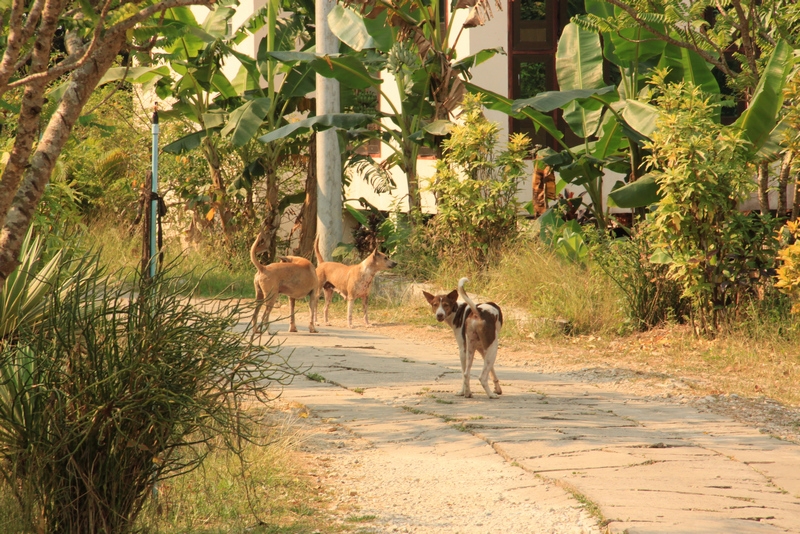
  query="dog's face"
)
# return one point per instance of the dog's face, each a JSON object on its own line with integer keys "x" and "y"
{"x": 381, "y": 261}
{"x": 442, "y": 305}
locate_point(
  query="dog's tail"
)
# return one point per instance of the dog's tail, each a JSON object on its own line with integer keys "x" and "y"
{"x": 465, "y": 297}
{"x": 316, "y": 250}
{"x": 257, "y": 247}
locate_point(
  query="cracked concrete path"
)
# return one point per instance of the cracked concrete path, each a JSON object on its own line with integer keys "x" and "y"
{"x": 549, "y": 441}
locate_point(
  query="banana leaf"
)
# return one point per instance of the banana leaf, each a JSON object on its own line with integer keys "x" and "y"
{"x": 360, "y": 33}
{"x": 245, "y": 121}
{"x": 579, "y": 65}
{"x": 761, "y": 116}
{"x": 348, "y": 70}
{"x": 504, "y": 104}
{"x": 344, "y": 121}
{"x": 188, "y": 142}
{"x": 639, "y": 194}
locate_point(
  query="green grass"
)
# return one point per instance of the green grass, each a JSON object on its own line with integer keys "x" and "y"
{"x": 361, "y": 518}
{"x": 266, "y": 490}
{"x": 315, "y": 377}
{"x": 212, "y": 271}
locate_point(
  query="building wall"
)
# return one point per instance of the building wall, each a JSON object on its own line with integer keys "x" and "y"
{"x": 492, "y": 75}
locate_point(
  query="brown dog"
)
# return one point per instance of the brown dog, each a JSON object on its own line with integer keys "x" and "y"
{"x": 476, "y": 328}
{"x": 293, "y": 276}
{"x": 351, "y": 281}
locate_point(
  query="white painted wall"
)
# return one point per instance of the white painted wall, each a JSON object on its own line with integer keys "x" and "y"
{"x": 492, "y": 75}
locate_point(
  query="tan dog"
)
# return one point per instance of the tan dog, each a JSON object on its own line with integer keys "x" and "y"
{"x": 351, "y": 281}
{"x": 293, "y": 276}
{"x": 476, "y": 329}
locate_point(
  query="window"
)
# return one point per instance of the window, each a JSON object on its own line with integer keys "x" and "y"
{"x": 535, "y": 26}
{"x": 533, "y": 74}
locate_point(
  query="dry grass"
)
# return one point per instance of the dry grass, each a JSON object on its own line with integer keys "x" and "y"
{"x": 266, "y": 490}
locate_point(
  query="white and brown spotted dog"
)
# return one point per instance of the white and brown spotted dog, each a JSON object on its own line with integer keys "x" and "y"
{"x": 351, "y": 281}
{"x": 476, "y": 328}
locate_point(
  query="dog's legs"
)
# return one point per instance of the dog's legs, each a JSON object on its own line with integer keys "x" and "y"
{"x": 462, "y": 355}
{"x": 292, "y": 325}
{"x": 469, "y": 353}
{"x": 366, "y": 305}
{"x": 350, "y": 312}
{"x": 328, "y": 298}
{"x": 497, "y": 388}
{"x": 489, "y": 357}
{"x": 259, "y": 302}
{"x": 267, "y": 310}
{"x": 313, "y": 299}
{"x": 256, "y": 325}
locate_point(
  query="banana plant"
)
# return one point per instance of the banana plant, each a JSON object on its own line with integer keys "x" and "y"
{"x": 236, "y": 111}
{"x": 736, "y": 39}
{"x": 626, "y": 118}
{"x": 411, "y": 43}
{"x": 759, "y": 124}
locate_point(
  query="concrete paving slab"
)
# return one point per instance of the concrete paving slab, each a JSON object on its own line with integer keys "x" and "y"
{"x": 649, "y": 466}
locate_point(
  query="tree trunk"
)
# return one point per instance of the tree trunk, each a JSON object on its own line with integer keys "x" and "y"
{"x": 763, "y": 187}
{"x": 26, "y": 172}
{"x": 27, "y": 125}
{"x": 272, "y": 214}
{"x": 80, "y": 87}
{"x": 410, "y": 169}
{"x": 796, "y": 203}
{"x": 783, "y": 183}
{"x": 329, "y": 162}
{"x": 308, "y": 214}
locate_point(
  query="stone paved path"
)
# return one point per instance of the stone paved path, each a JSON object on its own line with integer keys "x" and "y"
{"x": 649, "y": 467}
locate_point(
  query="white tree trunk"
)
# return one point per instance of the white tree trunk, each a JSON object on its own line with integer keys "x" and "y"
{"x": 329, "y": 157}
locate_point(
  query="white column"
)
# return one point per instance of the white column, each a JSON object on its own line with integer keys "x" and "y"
{"x": 329, "y": 157}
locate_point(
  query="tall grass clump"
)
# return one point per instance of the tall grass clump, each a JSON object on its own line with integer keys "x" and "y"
{"x": 262, "y": 485}
{"x": 212, "y": 268}
{"x": 113, "y": 392}
{"x": 558, "y": 296}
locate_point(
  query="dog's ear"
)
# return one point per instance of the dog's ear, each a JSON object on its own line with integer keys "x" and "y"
{"x": 453, "y": 295}
{"x": 428, "y": 297}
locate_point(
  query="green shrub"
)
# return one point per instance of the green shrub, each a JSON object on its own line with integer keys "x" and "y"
{"x": 113, "y": 392}
{"x": 703, "y": 171}
{"x": 476, "y": 188}
{"x": 565, "y": 238}
{"x": 789, "y": 270}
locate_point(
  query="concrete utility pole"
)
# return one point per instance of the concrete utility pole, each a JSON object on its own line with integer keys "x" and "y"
{"x": 329, "y": 157}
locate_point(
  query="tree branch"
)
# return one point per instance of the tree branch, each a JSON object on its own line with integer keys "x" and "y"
{"x": 750, "y": 50}
{"x": 122, "y": 26}
{"x": 30, "y": 110}
{"x": 18, "y": 210}
{"x": 72, "y": 62}
{"x": 17, "y": 35}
